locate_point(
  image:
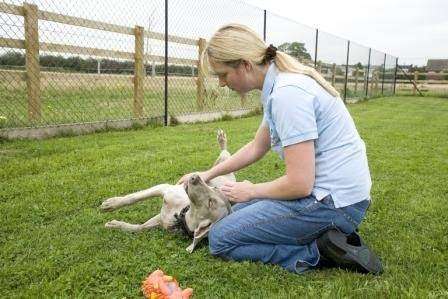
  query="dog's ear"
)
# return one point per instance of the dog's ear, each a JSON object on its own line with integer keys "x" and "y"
{"x": 226, "y": 200}
{"x": 199, "y": 233}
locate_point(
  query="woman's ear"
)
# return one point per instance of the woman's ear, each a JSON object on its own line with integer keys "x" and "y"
{"x": 247, "y": 65}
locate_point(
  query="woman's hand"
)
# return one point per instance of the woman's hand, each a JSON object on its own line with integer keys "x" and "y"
{"x": 183, "y": 180}
{"x": 239, "y": 191}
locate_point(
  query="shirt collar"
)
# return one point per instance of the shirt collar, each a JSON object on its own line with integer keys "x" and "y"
{"x": 269, "y": 81}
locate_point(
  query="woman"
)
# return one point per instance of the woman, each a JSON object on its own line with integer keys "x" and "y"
{"x": 326, "y": 185}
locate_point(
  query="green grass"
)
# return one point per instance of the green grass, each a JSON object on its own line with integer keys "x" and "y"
{"x": 443, "y": 93}
{"x": 53, "y": 243}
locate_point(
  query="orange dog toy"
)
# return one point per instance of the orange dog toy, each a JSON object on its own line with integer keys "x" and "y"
{"x": 160, "y": 286}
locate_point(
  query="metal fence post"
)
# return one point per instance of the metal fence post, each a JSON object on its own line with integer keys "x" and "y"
{"x": 333, "y": 75}
{"x": 166, "y": 64}
{"x": 346, "y": 71}
{"x": 315, "y": 47}
{"x": 264, "y": 26}
{"x": 384, "y": 73}
{"x": 395, "y": 75}
{"x": 367, "y": 73}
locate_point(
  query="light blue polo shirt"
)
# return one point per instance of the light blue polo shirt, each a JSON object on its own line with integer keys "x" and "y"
{"x": 297, "y": 109}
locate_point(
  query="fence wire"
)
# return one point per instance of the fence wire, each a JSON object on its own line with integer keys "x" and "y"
{"x": 67, "y": 62}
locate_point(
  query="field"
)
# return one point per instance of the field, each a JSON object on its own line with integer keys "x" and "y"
{"x": 79, "y": 98}
{"x": 53, "y": 243}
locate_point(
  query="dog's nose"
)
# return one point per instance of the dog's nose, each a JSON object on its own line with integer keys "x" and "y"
{"x": 194, "y": 179}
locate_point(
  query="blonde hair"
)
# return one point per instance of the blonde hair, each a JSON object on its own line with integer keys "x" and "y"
{"x": 233, "y": 43}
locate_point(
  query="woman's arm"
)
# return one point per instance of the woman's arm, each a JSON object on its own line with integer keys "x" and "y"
{"x": 296, "y": 183}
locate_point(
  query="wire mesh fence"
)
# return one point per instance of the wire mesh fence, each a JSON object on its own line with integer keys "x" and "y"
{"x": 65, "y": 62}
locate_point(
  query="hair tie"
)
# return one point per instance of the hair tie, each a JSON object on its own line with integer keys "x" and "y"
{"x": 271, "y": 52}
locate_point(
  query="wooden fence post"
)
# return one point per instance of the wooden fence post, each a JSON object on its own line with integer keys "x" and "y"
{"x": 377, "y": 80}
{"x": 333, "y": 76}
{"x": 32, "y": 61}
{"x": 356, "y": 79}
{"x": 98, "y": 66}
{"x": 200, "y": 92}
{"x": 138, "y": 72}
{"x": 414, "y": 89}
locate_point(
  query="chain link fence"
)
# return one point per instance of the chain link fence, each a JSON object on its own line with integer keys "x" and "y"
{"x": 85, "y": 62}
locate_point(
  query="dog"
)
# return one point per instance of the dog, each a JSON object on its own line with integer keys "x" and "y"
{"x": 191, "y": 208}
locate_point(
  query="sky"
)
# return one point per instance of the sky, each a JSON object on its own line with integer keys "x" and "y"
{"x": 413, "y": 30}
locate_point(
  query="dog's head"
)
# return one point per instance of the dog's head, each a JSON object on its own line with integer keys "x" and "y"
{"x": 207, "y": 206}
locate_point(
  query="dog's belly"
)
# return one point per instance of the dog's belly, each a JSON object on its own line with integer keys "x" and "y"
{"x": 174, "y": 200}
{"x": 221, "y": 180}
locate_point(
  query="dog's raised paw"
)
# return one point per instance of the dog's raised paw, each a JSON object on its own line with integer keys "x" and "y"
{"x": 111, "y": 204}
{"x": 222, "y": 139}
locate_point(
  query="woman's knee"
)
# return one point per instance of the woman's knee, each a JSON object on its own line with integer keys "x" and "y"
{"x": 217, "y": 242}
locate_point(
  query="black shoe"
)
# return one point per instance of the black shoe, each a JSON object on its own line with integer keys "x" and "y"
{"x": 349, "y": 252}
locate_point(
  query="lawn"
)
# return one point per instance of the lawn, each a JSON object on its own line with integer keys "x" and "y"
{"x": 53, "y": 242}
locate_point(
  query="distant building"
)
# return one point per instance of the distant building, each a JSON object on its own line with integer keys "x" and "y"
{"x": 406, "y": 67}
{"x": 437, "y": 65}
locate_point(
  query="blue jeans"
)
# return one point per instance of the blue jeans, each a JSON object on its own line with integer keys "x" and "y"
{"x": 281, "y": 232}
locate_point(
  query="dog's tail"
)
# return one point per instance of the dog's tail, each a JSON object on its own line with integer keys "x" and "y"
{"x": 222, "y": 139}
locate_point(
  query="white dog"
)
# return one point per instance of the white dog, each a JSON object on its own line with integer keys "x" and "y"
{"x": 192, "y": 209}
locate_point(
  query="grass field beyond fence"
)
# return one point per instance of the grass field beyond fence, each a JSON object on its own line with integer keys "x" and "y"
{"x": 53, "y": 242}
{"x": 83, "y": 98}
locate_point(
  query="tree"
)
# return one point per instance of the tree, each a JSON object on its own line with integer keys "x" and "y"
{"x": 12, "y": 58}
{"x": 295, "y": 49}
{"x": 359, "y": 66}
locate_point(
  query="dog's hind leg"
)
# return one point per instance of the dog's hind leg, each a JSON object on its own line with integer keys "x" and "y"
{"x": 121, "y": 201}
{"x": 222, "y": 141}
{"x": 128, "y": 227}
{"x": 224, "y": 155}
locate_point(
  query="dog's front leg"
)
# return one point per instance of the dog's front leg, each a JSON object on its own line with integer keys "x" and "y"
{"x": 128, "y": 227}
{"x": 121, "y": 201}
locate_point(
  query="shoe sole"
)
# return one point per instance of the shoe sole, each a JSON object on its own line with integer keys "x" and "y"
{"x": 334, "y": 246}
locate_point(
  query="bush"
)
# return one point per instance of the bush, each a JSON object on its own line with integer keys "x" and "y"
{"x": 421, "y": 76}
{"x": 226, "y": 117}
